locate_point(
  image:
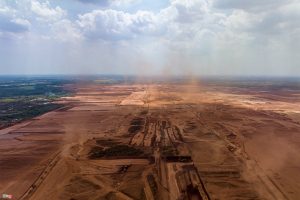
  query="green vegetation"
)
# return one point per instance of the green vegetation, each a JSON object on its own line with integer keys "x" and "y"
{"x": 7, "y": 100}
{"x": 104, "y": 81}
{"x": 144, "y": 112}
{"x": 152, "y": 184}
{"x": 12, "y": 87}
{"x": 28, "y": 111}
{"x": 137, "y": 125}
{"x": 107, "y": 143}
{"x": 117, "y": 150}
{"x": 169, "y": 151}
{"x": 23, "y": 98}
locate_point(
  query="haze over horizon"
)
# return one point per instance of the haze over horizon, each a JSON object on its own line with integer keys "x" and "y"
{"x": 158, "y": 37}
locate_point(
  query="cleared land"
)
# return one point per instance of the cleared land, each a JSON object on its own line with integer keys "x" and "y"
{"x": 210, "y": 140}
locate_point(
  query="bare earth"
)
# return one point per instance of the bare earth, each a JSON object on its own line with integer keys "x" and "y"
{"x": 198, "y": 142}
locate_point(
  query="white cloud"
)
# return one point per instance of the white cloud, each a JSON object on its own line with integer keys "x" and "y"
{"x": 181, "y": 19}
{"x": 106, "y": 3}
{"x": 22, "y": 22}
{"x": 266, "y": 25}
{"x": 66, "y": 31}
{"x": 250, "y": 5}
{"x": 197, "y": 12}
{"x": 230, "y": 31}
{"x": 122, "y": 2}
{"x": 7, "y": 10}
{"x": 11, "y": 24}
{"x": 44, "y": 10}
{"x": 186, "y": 20}
{"x": 186, "y": 11}
{"x": 241, "y": 20}
{"x": 117, "y": 25}
{"x": 4, "y": 10}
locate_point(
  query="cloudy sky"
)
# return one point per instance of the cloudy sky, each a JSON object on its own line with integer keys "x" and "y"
{"x": 144, "y": 37}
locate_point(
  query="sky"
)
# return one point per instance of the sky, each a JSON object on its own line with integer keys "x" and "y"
{"x": 150, "y": 37}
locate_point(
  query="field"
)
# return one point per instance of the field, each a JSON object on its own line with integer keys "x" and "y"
{"x": 223, "y": 139}
{"x": 22, "y": 98}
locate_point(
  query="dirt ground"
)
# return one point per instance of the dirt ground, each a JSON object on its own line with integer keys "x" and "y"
{"x": 180, "y": 141}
